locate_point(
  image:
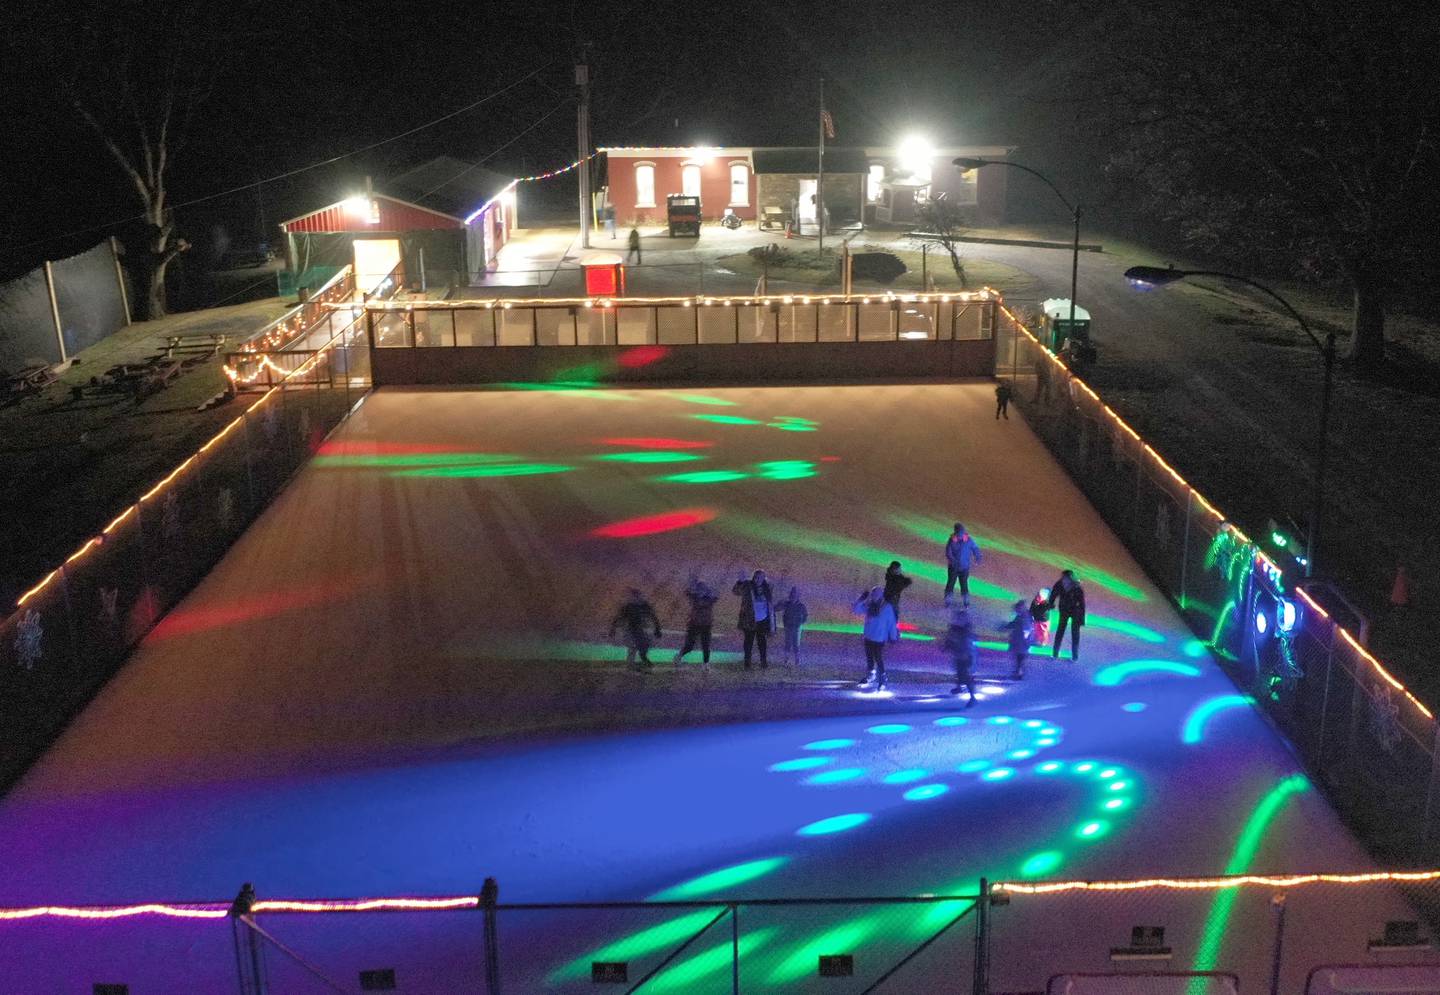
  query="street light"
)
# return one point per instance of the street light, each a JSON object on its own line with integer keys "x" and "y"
{"x": 1074, "y": 209}
{"x": 1146, "y": 277}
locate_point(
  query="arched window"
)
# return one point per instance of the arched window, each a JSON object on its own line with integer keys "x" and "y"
{"x": 644, "y": 184}
{"x": 690, "y": 179}
{"x": 739, "y": 184}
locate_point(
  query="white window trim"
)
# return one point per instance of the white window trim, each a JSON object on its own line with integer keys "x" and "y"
{"x": 748, "y": 174}
{"x": 636, "y": 166}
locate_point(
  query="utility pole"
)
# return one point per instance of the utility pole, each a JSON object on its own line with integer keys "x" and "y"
{"x": 820, "y": 176}
{"x": 582, "y": 136}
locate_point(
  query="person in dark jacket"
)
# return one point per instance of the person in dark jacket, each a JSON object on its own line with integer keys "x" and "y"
{"x": 895, "y": 584}
{"x": 639, "y": 620}
{"x": 1068, "y": 597}
{"x": 1003, "y": 393}
{"x": 793, "y": 616}
{"x": 634, "y": 244}
{"x": 960, "y": 644}
{"x": 1018, "y": 629}
{"x": 702, "y": 600}
{"x": 757, "y": 615}
{"x": 961, "y": 552}
{"x": 880, "y": 627}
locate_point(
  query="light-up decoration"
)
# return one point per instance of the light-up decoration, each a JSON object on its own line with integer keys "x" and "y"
{"x": 650, "y": 456}
{"x": 836, "y": 776}
{"x": 800, "y": 763}
{"x": 888, "y": 729}
{"x": 705, "y": 477}
{"x": 642, "y": 355}
{"x": 669, "y": 521}
{"x": 726, "y": 419}
{"x": 925, "y": 792}
{"x": 1118, "y": 673}
{"x": 829, "y": 744}
{"x": 834, "y": 824}
{"x": 906, "y": 776}
{"x": 1286, "y": 615}
{"x": 728, "y": 877}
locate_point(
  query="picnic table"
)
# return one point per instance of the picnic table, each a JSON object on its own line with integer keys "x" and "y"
{"x": 207, "y": 342}
{"x": 29, "y": 380}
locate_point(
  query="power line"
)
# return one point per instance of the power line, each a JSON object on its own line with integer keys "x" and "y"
{"x": 295, "y": 172}
{"x": 494, "y": 152}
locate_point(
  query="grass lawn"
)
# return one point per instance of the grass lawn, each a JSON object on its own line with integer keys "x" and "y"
{"x": 70, "y": 466}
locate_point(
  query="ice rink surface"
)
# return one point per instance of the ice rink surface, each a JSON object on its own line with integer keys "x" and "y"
{"x": 399, "y": 680}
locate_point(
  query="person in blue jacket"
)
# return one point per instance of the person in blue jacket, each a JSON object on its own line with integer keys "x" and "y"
{"x": 880, "y": 627}
{"x": 961, "y": 551}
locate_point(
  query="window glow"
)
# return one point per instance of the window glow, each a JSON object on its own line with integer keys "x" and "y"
{"x": 739, "y": 184}
{"x": 690, "y": 180}
{"x": 644, "y": 184}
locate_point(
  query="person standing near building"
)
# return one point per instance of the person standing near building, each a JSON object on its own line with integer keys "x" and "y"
{"x": 1003, "y": 393}
{"x": 895, "y": 584}
{"x": 961, "y": 552}
{"x": 698, "y": 626}
{"x": 1067, "y": 596}
{"x": 880, "y": 627}
{"x": 757, "y": 615}
{"x": 793, "y": 616}
{"x": 639, "y": 620}
{"x": 960, "y": 644}
{"x": 634, "y": 246}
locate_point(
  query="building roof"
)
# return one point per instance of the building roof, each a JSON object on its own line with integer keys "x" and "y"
{"x": 803, "y": 160}
{"x": 447, "y": 184}
{"x": 354, "y": 215}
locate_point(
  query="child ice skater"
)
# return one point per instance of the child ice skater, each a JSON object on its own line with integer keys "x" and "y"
{"x": 1019, "y": 628}
{"x": 793, "y": 616}
{"x": 1040, "y": 617}
{"x": 960, "y": 643}
{"x": 639, "y": 620}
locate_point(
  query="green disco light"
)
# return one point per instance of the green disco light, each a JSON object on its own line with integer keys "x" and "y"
{"x": 498, "y": 470}
{"x": 1123, "y": 627}
{"x": 728, "y": 877}
{"x": 727, "y": 419}
{"x": 801, "y": 962}
{"x": 855, "y": 629}
{"x": 662, "y": 936}
{"x": 699, "y": 399}
{"x": 649, "y": 456}
{"x": 1042, "y": 863}
{"x": 388, "y": 462}
{"x": 704, "y": 477}
{"x": 786, "y": 469}
{"x": 1118, "y": 673}
{"x": 684, "y": 976}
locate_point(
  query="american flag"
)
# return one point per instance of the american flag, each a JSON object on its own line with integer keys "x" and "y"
{"x": 827, "y": 122}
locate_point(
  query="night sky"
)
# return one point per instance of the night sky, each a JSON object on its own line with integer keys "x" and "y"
{"x": 309, "y": 81}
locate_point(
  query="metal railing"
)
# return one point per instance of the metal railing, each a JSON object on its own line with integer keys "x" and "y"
{"x": 702, "y": 320}
{"x": 1368, "y": 739}
{"x": 1277, "y": 934}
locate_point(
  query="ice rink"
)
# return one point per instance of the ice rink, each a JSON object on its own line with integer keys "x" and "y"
{"x": 399, "y": 681}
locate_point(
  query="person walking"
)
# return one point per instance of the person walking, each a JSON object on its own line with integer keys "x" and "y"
{"x": 960, "y": 644}
{"x": 639, "y": 620}
{"x": 961, "y": 552}
{"x": 880, "y": 627}
{"x": 895, "y": 584}
{"x": 702, "y": 598}
{"x": 607, "y": 218}
{"x": 1068, "y": 597}
{"x": 757, "y": 615}
{"x": 634, "y": 246}
{"x": 1019, "y": 629}
{"x": 793, "y": 616}
{"x": 1003, "y": 393}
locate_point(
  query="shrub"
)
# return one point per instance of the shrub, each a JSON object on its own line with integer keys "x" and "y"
{"x": 881, "y": 267}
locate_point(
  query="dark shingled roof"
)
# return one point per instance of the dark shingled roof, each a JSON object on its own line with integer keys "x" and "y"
{"x": 447, "y": 184}
{"x": 806, "y": 161}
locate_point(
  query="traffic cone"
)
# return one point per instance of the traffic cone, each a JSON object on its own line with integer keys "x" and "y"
{"x": 1400, "y": 590}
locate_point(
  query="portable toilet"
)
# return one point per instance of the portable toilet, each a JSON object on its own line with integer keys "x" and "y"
{"x": 1057, "y": 323}
{"x": 604, "y": 274}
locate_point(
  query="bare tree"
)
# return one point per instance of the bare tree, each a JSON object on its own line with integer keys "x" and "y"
{"x": 943, "y": 220}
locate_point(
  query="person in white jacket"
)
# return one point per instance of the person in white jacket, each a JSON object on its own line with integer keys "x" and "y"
{"x": 880, "y": 627}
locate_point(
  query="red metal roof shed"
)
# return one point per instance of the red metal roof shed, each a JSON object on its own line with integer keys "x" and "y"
{"x": 394, "y": 215}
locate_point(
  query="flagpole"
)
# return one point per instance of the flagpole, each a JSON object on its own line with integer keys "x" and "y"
{"x": 820, "y": 175}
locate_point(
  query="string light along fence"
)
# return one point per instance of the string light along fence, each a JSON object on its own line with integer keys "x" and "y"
{"x": 1317, "y": 934}
{"x": 70, "y": 632}
{"x": 1370, "y": 741}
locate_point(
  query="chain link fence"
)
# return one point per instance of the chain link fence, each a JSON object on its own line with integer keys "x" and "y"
{"x": 1367, "y": 738}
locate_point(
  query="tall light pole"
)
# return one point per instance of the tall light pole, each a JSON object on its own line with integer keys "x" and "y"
{"x": 1155, "y": 276}
{"x": 582, "y": 135}
{"x": 1074, "y": 209}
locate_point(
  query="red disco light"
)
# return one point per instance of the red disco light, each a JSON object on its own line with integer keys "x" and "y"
{"x": 653, "y": 524}
{"x": 642, "y": 355}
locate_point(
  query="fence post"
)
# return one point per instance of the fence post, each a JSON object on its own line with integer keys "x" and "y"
{"x": 247, "y": 952}
{"x": 735, "y": 948}
{"x": 982, "y": 940}
{"x": 1434, "y": 783}
{"x": 55, "y": 309}
{"x": 120, "y": 278}
{"x": 489, "y": 896}
{"x": 1278, "y": 902}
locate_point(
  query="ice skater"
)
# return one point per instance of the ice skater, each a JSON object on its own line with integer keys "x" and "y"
{"x": 639, "y": 620}
{"x": 960, "y": 644}
{"x": 702, "y": 598}
{"x": 1067, "y": 596}
{"x": 1019, "y": 628}
{"x": 880, "y": 627}
{"x": 895, "y": 584}
{"x": 793, "y": 616}
{"x": 961, "y": 552}
{"x": 1003, "y": 393}
{"x": 1040, "y": 617}
{"x": 757, "y": 615}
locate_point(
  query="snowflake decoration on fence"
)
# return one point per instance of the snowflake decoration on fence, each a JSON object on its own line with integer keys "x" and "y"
{"x": 1384, "y": 717}
{"x": 29, "y": 640}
